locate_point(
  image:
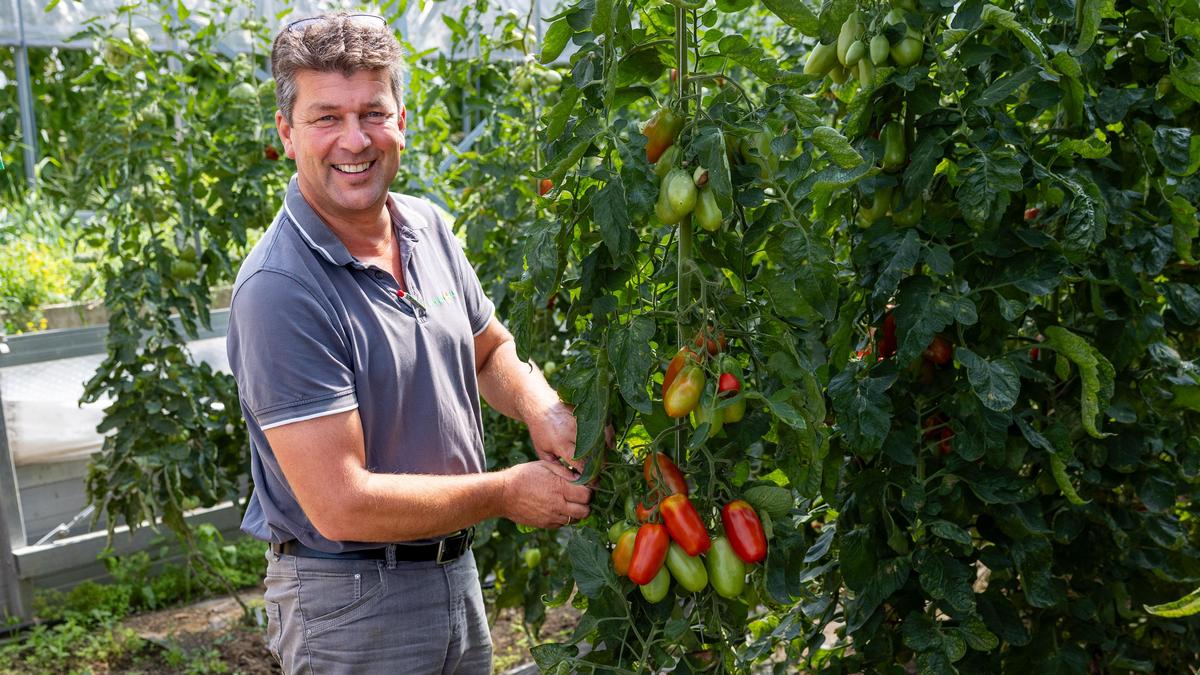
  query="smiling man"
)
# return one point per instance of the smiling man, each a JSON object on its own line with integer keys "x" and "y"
{"x": 361, "y": 394}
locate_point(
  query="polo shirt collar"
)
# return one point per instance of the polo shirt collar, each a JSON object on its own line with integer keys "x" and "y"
{"x": 325, "y": 243}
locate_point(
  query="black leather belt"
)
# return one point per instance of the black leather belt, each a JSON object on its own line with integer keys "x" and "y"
{"x": 444, "y": 551}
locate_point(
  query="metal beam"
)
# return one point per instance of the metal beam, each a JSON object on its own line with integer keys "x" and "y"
{"x": 14, "y": 593}
{"x": 25, "y": 102}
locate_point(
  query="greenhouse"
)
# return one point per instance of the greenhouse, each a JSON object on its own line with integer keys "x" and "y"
{"x": 632, "y": 336}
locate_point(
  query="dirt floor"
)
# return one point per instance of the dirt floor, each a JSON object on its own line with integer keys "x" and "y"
{"x": 211, "y": 637}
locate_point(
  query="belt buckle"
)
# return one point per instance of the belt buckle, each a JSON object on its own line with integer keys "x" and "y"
{"x": 464, "y": 543}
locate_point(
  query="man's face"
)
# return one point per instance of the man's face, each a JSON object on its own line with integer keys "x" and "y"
{"x": 346, "y": 135}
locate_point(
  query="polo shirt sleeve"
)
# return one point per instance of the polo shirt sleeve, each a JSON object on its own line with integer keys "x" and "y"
{"x": 289, "y": 357}
{"x": 479, "y": 306}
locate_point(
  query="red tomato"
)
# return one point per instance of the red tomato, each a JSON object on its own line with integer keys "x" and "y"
{"x": 684, "y": 394}
{"x": 649, "y": 553}
{"x": 887, "y": 342}
{"x": 660, "y": 472}
{"x": 1032, "y": 214}
{"x": 745, "y": 531}
{"x": 709, "y": 338}
{"x": 544, "y": 186}
{"x": 683, "y": 356}
{"x": 644, "y": 512}
{"x": 684, "y": 524}
{"x": 940, "y": 351}
{"x": 728, "y": 385}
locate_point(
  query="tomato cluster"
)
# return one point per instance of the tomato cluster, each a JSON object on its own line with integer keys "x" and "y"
{"x": 654, "y": 553}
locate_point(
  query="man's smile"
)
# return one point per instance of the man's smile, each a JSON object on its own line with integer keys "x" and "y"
{"x": 353, "y": 168}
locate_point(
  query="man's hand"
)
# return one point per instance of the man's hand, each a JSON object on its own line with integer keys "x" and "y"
{"x": 553, "y": 432}
{"x": 541, "y": 494}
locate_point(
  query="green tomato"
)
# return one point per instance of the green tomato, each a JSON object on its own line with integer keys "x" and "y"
{"x": 849, "y": 33}
{"x": 821, "y": 59}
{"x": 726, "y": 570}
{"x": 705, "y": 413}
{"x": 880, "y": 47}
{"x": 657, "y": 589}
{"x": 244, "y": 91}
{"x": 908, "y": 51}
{"x": 667, "y": 161}
{"x": 681, "y": 192}
{"x": 182, "y": 270}
{"x": 708, "y": 214}
{"x": 909, "y": 215}
{"x": 855, "y": 52}
{"x": 895, "y": 154}
{"x": 881, "y": 203}
{"x": 533, "y": 557}
{"x": 688, "y": 570}
{"x": 617, "y": 529}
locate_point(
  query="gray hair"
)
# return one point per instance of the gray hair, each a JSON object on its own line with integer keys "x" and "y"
{"x": 341, "y": 43}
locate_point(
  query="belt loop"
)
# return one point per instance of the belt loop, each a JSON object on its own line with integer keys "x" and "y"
{"x": 389, "y": 553}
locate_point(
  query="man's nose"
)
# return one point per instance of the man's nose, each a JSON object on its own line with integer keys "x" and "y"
{"x": 354, "y": 137}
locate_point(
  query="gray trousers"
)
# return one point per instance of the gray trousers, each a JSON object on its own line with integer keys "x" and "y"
{"x": 366, "y": 616}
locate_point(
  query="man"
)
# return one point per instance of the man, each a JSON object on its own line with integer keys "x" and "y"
{"x": 361, "y": 340}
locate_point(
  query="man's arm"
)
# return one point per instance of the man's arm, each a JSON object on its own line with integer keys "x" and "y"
{"x": 323, "y": 460}
{"x": 519, "y": 390}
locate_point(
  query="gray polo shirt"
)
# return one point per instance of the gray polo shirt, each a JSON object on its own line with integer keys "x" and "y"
{"x": 313, "y": 332}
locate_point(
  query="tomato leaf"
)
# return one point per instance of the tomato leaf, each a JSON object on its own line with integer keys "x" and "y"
{"x": 996, "y": 383}
{"x": 590, "y": 562}
{"x": 1095, "y": 372}
{"x": 613, "y": 218}
{"x": 554, "y": 658}
{"x": 987, "y": 180}
{"x": 1186, "y": 78}
{"x": 908, "y": 250}
{"x": 945, "y": 578}
{"x": 1088, "y": 24}
{"x": 889, "y": 576}
{"x": 1006, "y": 86}
{"x": 555, "y": 40}
{"x": 629, "y": 352}
{"x": 1173, "y": 146}
{"x": 863, "y": 408}
{"x": 1034, "y": 561}
{"x": 836, "y": 146}
{"x": 1188, "y": 605}
{"x": 796, "y": 14}
{"x": 921, "y": 313}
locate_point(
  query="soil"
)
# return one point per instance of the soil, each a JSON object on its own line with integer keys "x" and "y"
{"x": 212, "y": 636}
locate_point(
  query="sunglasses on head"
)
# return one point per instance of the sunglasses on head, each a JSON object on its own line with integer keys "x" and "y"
{"x": 373, "y": 20}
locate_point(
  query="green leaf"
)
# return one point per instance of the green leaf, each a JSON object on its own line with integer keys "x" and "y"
{"x": 711, "y": 151}
{"x": 602, "y": 17}
{"x": 1186, "y": 78}
{"x": 987, "y": 180}
{"x": 889, "y": 576}
{"x": 775, "y": 501}
{"x": 737, "y": 48}
{"x": 908, "y": 251}
{"x": 1058, "y": 469}
{"x": 809, "y": 254}
{"x": 554, "y": 658}
{"x": 1188, "y": 605}
{"x": 1006, "y": 86}
{"x": 590, "y": 389}
{"x": 836, "y": 146}
{"x": 590, "y": 563}
{"x": 556, "y": 118}
{"x": 923, "y": 163}
{"x": 796, "y": 14}
{"x": 920, "y": 313}
{"x": 1092, "y": 147}
{"x": 948, "y": 530}
{"x": 781, "y": 408}
{"x": 856, "y": 556}
{"x": 566, "y": 161}
{"x": 976, "y": 634}
{"x": 1095, "y": 372}
{"x": 1034, "y": 559}
{"x": 996, "y": 383}
{"x": 864, "y": 410}
{"x": 1173, "y": 146}
{"x": 629, "y": 352}
{"x": 1088, "y": 25}
{"x": 555, "y": 40}
{"x": 945, "y": 578}
{"x": 612, "y": 217}
{"x": 1003, "y": 18}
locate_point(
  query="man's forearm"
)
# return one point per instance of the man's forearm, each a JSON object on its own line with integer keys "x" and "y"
{"x": 404, "y": 507}
{"x": 513, "y": 387}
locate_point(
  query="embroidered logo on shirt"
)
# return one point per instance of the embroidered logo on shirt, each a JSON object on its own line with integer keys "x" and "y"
{"x": 444, "y": 297}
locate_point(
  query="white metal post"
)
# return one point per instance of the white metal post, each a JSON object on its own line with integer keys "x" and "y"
{"x": 25, "y": 101}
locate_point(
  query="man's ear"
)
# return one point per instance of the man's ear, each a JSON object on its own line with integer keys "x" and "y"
{"x": 285, "y": 134}
{"x": 403, "y": 118}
